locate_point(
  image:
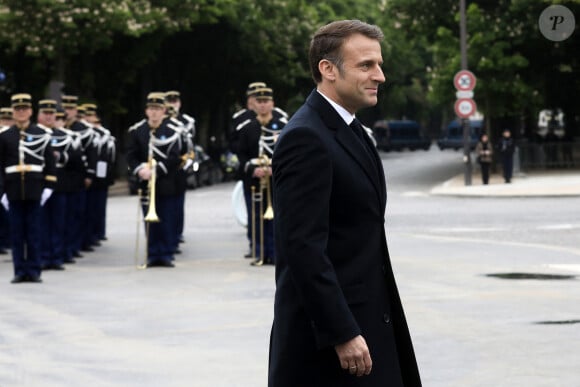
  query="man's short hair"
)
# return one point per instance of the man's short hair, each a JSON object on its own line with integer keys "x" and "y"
{"x": 328, "y": 40}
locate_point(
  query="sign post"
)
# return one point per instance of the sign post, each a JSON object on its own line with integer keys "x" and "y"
{"x": 464, "y": 81}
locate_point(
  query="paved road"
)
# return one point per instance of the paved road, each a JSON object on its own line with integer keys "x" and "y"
{"x": 206, "y": 322}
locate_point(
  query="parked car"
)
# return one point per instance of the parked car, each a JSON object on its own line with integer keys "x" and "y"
{"x": 399, "y": 135}
{"x": 452, "y": 137}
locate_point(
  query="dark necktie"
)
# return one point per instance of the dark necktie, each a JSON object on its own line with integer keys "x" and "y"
{"x": 360, "y": 132}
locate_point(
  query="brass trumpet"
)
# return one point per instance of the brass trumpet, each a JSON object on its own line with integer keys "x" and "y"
{"x": 150, "y": 217}
{"x": 265, "y": 181}
{"x": 151, "y": 210}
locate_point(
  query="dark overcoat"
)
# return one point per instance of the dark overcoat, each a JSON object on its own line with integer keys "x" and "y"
{"x": 334, "y": 279}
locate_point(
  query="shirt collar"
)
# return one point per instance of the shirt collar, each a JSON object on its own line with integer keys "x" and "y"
{"x": 342, "y": 112}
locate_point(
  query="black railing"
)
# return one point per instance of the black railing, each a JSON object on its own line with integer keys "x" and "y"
{"x": 549, "y": 155}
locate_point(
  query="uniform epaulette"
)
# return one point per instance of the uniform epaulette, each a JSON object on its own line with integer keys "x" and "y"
{"x": 284, "y": 120}
{"x": 86, "y": 123}
{"x": 281, "y": 112}
{"x": 241, "y": 125}
{"x": 238, "y": 113}
{"x": 189, "y": 118}
{"x": 4, "y": 128}
{"x": 45, "y": 128}
{"x": 176, "y": 127}
{"x": 175, "y": 121}
{"x": 138, "y": 124}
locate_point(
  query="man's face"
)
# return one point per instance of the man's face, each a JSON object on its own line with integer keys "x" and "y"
{"x": 356, "y": 86}
{"x": 264, "y": 106}
{"x": 176, "y": 103}
{"x": 6, "y": 122}
{"x": 155, "y": 113}
{"x": 251, "y": 103}
{"x": 71, "y": 112}
{"x": 46, "y": 118}
{"x": 22, "y": 113}
{"x": 91, "y": 118}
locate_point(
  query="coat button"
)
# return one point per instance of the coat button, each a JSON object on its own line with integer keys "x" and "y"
{"x": 386, "y": 318}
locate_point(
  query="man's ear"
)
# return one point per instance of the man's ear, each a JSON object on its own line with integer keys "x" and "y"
{"x": 327, "y": 70}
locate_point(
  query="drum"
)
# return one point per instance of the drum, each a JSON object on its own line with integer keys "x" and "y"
{"x": 239, "y": 204}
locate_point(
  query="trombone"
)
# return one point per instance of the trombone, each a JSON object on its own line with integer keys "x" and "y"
{"x": 258, "y": 197}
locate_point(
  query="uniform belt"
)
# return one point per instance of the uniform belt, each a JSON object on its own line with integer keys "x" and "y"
{"x": 24, "y": 168}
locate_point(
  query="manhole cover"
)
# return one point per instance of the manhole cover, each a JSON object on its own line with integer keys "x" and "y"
{"x": 537, "y": 276}
{"x": 563, "y": 322}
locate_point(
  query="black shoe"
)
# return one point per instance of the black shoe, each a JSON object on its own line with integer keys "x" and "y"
{"x": 160, "y": 264}
{"x": 248, "y": 255}
{"x": 87, "y": 248}
{"x": 181, "y": 240}
{"x": 97, "y": 244}
{"x": 18, "y": 279}
{"x": 76, "y": 254}
{"x": 177, "y": 251}
{"x": 70, "y": 260}
{"x": 34, "y": 278}
{"x": 104, "y": 238}
{"x": 3, "y": 251}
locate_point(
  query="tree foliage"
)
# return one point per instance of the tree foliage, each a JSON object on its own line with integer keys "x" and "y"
{"x": 114, "y": 51}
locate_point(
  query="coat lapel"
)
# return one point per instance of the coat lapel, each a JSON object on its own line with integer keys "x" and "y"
{"x": 350, "y": 142}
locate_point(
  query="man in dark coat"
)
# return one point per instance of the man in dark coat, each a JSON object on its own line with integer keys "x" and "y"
{"x": 338, "y": 318}
{"x": 506, "y": 147}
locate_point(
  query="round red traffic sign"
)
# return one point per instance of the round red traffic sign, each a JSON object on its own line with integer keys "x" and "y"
{"x": 465, "y": 107}
{"x": 464, "y": 80}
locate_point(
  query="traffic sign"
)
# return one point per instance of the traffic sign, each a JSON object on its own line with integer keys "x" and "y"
{"x": 464, "y": 80}
{"x": 465, "y": 107}
{"x": 464, "y": 94}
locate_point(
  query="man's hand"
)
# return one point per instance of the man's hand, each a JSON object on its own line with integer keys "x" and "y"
{"x": 354, "y": 356}
{"x": 262, "y": 171}
{"x": 145, "y": 173}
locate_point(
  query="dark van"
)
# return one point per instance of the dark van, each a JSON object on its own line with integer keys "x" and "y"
{"x": 398, "y": 135}
{"x": 452, "y": 137}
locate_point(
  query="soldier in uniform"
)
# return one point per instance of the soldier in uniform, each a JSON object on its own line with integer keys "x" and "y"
{"x": 104, "y": 143}
{"x": 242, "y": 116}
{"x": 85, "y": 134}
{"x": 152, "y": 143}
{"x": 173, "y": 101}
{"x": 53, "y": 223}
{"x": 6, "y": 120}
{"x": 70, "y": 183}
{"x": 256, "y": 144}
{"x": 27, "y": 178}
{"x": 240, "y": 119}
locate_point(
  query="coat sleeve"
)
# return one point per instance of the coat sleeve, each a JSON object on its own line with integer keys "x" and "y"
{"x": 303, "y": 170}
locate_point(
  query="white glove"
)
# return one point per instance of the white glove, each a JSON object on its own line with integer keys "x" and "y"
{"x": 46, "y": 193}
{"x": 5, "y": 203}
{"x": 188, "y": 163}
